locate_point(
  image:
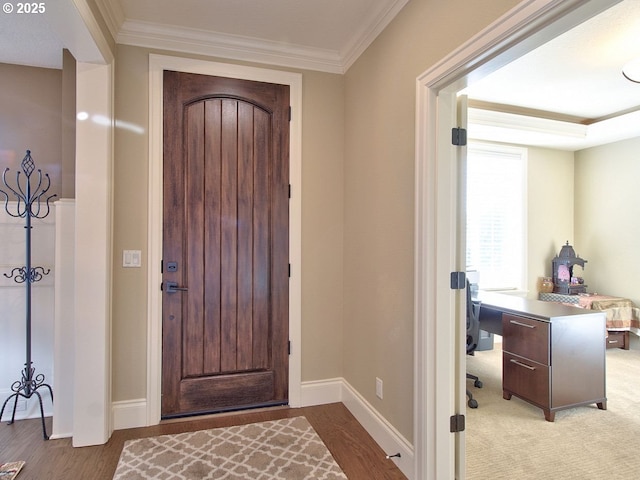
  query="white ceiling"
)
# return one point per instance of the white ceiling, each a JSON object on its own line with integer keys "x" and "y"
{"x": 33, "y": 42}
{"x": 37, "y": 38}
{"x": 576, "y": 76}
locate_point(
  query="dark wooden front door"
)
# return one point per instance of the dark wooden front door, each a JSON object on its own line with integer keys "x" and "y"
{"x": 225, "y": 244}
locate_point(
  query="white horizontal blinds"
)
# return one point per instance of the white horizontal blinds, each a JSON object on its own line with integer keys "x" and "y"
{"x": 496, "y": 192}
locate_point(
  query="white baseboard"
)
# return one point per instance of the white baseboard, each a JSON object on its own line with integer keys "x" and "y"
{"x": 129, "y": 414}
{"x": 133, "y": 413}
{"x": 385, "y": 435}
{"x": 321, "y": 392}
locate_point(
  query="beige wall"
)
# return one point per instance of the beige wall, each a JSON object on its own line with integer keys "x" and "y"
{"x": 131, "y": 165}
{"x": 606, "y": 214}
{"x": 322, "y": 210}
{"x": 68, "y": 119}
{"x": 358, "y": 208}
{"x": 30, "y": 106}
{"x": 322, "y": 225}
{"x": 379, "y": 194}
{"x": 550, "y": 201}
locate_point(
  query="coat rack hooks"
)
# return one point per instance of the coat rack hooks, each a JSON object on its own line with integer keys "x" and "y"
{"x": 32, "y": 202}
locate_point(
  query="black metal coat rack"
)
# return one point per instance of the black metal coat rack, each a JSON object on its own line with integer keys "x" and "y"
{"x": 32, "y": 202}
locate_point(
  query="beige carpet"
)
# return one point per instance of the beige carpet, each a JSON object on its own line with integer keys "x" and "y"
{"x": 510, "y": 439}
{"x": 279, "y": 449}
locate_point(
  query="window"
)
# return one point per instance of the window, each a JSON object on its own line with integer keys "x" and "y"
{"x": 496, "y": 215}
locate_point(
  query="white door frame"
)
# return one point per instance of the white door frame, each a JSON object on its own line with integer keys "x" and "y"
{"x": 158, "y": 63}
{"x": 527, "y": 26}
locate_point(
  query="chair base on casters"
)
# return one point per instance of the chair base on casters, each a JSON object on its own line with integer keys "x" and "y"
{"x": 473, "y": 338}
{"x": 472, "y": 402}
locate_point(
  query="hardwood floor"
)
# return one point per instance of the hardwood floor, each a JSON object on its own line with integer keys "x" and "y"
{"x": 355, "y": 451}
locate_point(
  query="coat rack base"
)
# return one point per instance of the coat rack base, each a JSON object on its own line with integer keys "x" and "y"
{"x": 26, "y": 388}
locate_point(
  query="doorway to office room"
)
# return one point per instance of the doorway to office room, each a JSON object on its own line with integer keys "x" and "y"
{"x": 438, "y": 373}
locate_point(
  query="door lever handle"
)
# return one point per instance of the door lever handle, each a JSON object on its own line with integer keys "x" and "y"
{"x": 172, "y": 287}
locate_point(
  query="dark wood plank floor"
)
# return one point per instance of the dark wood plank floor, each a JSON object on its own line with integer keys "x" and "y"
{"x": 354, "y": 450}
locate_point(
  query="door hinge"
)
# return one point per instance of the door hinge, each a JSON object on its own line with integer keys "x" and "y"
{"x": 458, "y": 281}
{"x": 456, "y": 423}
{"x": 459, "y": 136}
{"x": 289, "y": 270}
{"x": 289, "y": 190}
{"x": 289, "y": 347}
{"x": 290, "y": 113}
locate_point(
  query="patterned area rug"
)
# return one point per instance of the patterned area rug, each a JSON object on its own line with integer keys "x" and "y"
{"x": 280, "y": 449}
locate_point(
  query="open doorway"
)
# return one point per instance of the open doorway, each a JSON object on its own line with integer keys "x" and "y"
{"x": 439, "y": 373}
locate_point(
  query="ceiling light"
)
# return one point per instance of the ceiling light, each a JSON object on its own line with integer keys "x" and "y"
{"x": 631, "y": 70}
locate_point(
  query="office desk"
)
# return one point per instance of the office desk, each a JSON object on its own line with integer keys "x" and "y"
{"x": 621, "y": 314}
{"x": 553, "y": 355}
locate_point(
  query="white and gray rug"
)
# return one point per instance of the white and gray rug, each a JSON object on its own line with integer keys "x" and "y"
{"x": 280, "y": 449}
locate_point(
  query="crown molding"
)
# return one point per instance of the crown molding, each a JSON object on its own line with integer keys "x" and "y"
{"x": 495, "y": 126}
{"x": 237, "y": 47}
{"x": 526, "y": 123}
{"x": 112, "y": 14}
{"x": 189, "y": 40}
{"x": 524, "y": 130}
{"x": 372, "y": 27}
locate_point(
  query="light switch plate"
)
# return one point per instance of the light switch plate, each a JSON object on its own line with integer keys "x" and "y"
{"x": 379, "y": 388}
{"x": 131, "y": 258}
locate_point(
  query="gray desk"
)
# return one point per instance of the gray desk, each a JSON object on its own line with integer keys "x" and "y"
{"x": 553, "y": 354}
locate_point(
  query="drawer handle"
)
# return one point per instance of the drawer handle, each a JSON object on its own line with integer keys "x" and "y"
{"x": 613, "y": 341}
{"x": 520, "y": 324}
{"x": 528, "y": 367}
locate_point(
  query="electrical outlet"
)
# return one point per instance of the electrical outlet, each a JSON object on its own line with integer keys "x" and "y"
{"x": 21, "y": 406}
{"x": 379, "y": 388}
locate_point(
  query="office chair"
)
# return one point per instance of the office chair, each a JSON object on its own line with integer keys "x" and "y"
{"x": 473, "y": 337}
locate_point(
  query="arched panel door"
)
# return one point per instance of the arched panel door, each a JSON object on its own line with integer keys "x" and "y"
{"x": 225, "y": 244}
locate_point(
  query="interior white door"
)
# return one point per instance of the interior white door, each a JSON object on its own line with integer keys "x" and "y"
{"x": 460, "y": 312}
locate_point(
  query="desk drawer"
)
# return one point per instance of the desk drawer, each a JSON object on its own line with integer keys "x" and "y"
{"x": 526, "y": 337}
{"x": 617, "y": 339}
{"x": 527, "y": 379}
